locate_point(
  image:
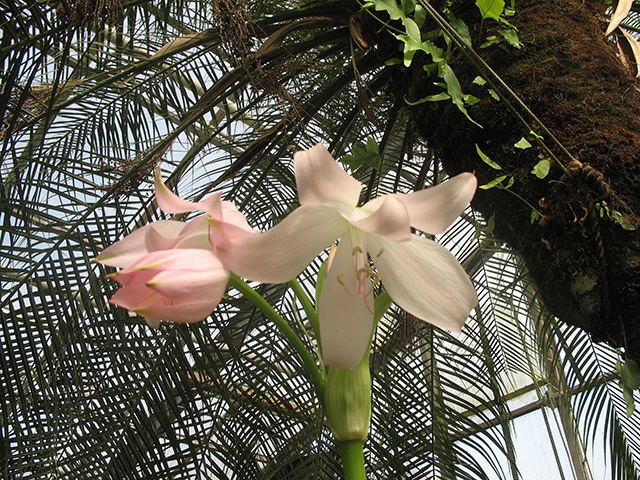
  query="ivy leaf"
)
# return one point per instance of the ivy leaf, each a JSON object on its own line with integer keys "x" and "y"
{"x": 522, "y": 144}
{"x": 541, "y": 170}
{"x": 490, "y": 8}
{"x": 487, "y": 160}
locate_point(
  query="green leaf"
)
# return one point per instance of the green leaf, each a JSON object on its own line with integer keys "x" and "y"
{"x": 359, "y": 156}
{"x": 479, "y": 81}
{"x": 490, "y": 8}
{"x": 541, "y": 170}
{"x": 491, "y": 223}
{"x": 420, "y": 15}
{"x": 454, "y": 89}
{"x": 493, "y": 183}
{"x": 511, "y": 37}
{"x": 534, "y": 216}
{"x": 395, "y": 11}
{"x": 487, "y": 160}
{"x": 522, "y": 144}
{"x": 430, "y": 98}
{"x": 492, "y": 40}
{"x": 621, "y": 220}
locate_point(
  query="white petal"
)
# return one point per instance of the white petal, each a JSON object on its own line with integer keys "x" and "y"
{"x": 346, "y": 321}
{"x": 130, "y": 248}
{"x": 426, "y": 280}
{"x": 321, "y": 181}
{"x": 390, "y": 220}
{"x": 281, "y": 253}
{"x": 432, "y": 210}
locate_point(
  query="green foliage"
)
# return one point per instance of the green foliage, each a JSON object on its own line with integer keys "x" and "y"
{"x": 541, "y": 170}
{"x": 415, "y": 41}
{"x": 359, "y": 156}
{"x": 490, "y": 8}
{"x": 487, "y": 160}
{"x": 629, "y": 381}
{"x": 603, "y": 210}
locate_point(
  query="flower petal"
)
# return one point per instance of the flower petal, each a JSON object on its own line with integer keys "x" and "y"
{"x": 232, "y": 217}
{"x": 169, "y": 202}
{"x": 281, "y": 253}
{"x": 426, "y": 280}
{"x": 390, "y": 220}
{"x": 346, "y": 322}
{"x": 186, "y": 284}
{"x": 133, "y": 246}
{"x": 190, "y": 312}
{"x": 321, "y": 181}
{"x": 432, "y": 210}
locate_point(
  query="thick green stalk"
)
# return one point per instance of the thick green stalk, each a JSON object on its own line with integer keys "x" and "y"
{"x": 286, "y": 330}
{"x": 353, "y": 460}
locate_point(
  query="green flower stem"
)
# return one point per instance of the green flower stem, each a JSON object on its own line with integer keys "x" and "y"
{"x": 353, "y": 460}
{"x": 291, "y": 336}
{"x": 306, "y": 305}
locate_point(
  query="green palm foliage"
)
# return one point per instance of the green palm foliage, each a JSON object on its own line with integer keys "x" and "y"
{"x": 220, "y": 95}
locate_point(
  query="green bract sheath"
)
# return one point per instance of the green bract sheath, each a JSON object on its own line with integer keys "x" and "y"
{"x": 348, "y": 402}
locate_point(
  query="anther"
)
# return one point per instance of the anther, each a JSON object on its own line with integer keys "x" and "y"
{"x": 356, "y": 249}
{"x": 380, "y": 252}
{"x": 340, "y": 278}
{"x": 361, "y": 273}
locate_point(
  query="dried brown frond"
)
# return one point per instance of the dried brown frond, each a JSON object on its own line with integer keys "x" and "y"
{"x": 19, "y": 112}
{"x": 124, "y": 166}
{"x": 233, "y": 22}
{"x": 89, "y": 12}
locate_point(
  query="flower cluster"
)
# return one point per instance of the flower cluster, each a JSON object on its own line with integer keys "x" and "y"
{"x": 178, "y": 272}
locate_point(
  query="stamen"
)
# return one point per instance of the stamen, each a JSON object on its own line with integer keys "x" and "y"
{"x": 340, "y": 278}
{"x": 380, "y": 252}
{"x": 358, "y": 249}
{"x": 362, "y": 273}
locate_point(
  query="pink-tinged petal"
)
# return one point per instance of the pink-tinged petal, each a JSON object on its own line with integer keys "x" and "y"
{"x": 346, "y": 321}
{"x": 281, "y": 253}
{"x": 182, "y": 285}
{"x": 187, "y": 284}
{"x": 321, "y": 181}
{"x": 169, "y": 202}
{"x": 130, "y": 297}
{"x": 432, "y": 210}
{"x": 155, "y": 241}
{"x": 196, "y": 234}
{"x": 425, "y": 279}
{"x": 390, "y": 220}
{"x": 232, "y": 216}
{"x": 133, "y": 246}
{"x": 182, "y": 313}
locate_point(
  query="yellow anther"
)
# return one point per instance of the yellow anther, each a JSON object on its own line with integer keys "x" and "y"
{"x": 380, "y": 252}
{"x": 356, "y": 249}
{"x": 360, "y": 272}
{"x": 340, "y": 278}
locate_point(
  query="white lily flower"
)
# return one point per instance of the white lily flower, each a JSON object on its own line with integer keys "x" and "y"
{"x": 376, "y": 244}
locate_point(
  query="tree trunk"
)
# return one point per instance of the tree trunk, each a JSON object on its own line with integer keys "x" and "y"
{"x": 586, "y": 266}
